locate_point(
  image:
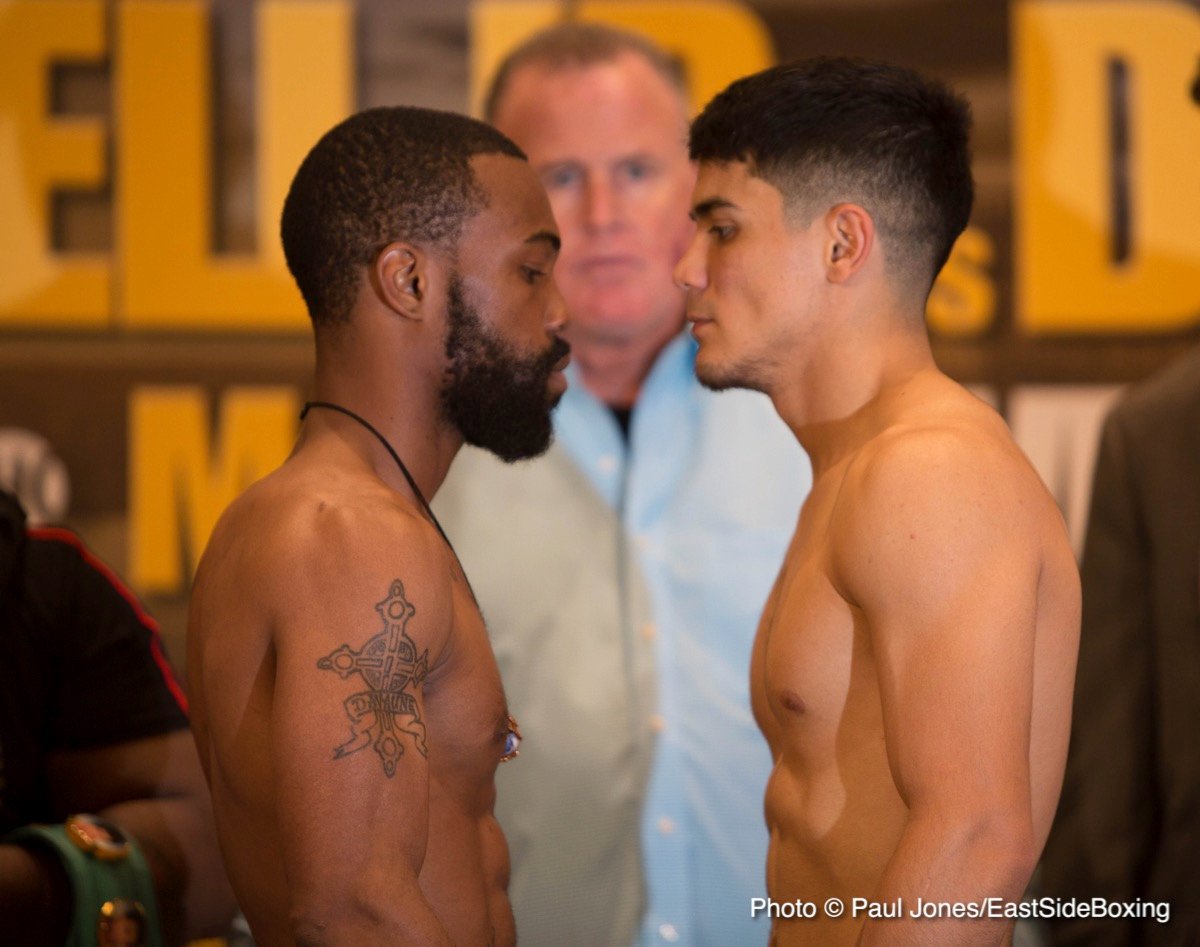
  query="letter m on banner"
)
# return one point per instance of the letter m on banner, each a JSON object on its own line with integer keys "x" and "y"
{"x": 181, "y": 478}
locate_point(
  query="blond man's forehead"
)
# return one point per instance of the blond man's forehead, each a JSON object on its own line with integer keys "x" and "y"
{"x": 543, "y": 88}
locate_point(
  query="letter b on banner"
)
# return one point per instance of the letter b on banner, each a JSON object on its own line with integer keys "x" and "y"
{"x": 1107, "y": 146}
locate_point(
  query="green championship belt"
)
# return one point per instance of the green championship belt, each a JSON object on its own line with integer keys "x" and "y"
{"x": 113, "y": 890}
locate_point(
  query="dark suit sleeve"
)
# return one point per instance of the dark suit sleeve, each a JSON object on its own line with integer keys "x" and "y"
{"x": 1106, "y": 823}
{"x": 110, "y": 681}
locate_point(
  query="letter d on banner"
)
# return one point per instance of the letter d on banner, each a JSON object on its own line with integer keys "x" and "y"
{"x": 1107, "y": 135}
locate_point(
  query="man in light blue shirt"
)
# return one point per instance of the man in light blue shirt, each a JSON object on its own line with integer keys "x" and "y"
{"x": 623, "y": 573}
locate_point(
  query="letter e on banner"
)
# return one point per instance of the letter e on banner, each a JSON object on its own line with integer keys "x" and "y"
{"x": 41, "y": 152}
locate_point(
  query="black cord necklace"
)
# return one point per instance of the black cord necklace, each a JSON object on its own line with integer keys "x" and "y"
{"x": 309, "y": 405}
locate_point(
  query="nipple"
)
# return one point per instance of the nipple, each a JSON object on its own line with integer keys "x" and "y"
{"x": 792, "y": 701}
{"x": 512, "y": 740}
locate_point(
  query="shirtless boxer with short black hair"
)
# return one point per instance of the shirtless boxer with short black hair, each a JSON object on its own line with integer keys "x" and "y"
{"x": 914, "y": 665}
{"x": 346, "y": 701}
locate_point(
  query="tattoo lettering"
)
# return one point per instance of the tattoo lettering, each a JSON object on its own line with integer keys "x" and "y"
{"x": 392, "y": 670}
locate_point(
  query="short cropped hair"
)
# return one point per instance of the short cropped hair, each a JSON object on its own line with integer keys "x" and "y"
{"x": 382, "y": 175}
{"x": 574, "y": 43}
{"x": 827, "y": 130}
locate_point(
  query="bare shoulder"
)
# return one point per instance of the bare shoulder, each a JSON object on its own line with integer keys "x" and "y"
{"x": 945, "y": 488}
{"x": 301, "y": 544}
{"x": 958, "y": 450}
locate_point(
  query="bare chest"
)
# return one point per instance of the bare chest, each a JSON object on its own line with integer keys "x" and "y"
{"x": 464, "y": 698}
{"x": 811, "y": 658}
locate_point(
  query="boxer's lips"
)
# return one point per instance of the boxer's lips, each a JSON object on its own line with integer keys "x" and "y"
{"x": 557, "y": 382}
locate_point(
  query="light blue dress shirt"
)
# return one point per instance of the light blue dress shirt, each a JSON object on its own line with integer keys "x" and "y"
{"x": 622, "y": 584}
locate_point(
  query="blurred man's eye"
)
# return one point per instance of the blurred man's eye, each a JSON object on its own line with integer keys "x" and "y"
{"x": 637, "y": 170}
{"x": 560, "y": 177}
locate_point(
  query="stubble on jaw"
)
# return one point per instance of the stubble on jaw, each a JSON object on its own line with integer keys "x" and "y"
{"x": 746, "y": 373}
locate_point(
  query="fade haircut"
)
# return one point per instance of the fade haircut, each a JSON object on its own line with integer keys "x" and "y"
{"x": 382, "y": 175}
{"x": 573, "y": 43}
{"x": 827, "y": 130}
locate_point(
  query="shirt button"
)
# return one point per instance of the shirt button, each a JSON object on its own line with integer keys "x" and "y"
{"x": 668, "y": 933}
{"x": 657, "y": 724}
{"x": 666, "y": 826}
{"x": 649, "y": 631}
{"x": 607, "y": 463}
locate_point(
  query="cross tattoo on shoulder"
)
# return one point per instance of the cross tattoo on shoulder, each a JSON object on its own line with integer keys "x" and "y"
{"x": 392, "y": 670}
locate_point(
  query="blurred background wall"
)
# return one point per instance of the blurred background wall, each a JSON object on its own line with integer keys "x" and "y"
{"x": 154, "y": 355}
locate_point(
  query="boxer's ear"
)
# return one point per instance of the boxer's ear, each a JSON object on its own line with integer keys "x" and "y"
{"x": 400, "y": 277}
{"x": 849, "y": 239}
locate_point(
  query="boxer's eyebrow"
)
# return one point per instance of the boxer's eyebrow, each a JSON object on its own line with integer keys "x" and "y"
{"x": 706, "y": 208}
{"x": 546, "y": 236}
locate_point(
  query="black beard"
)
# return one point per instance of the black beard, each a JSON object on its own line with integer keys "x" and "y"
{"x": 494, "y": 395}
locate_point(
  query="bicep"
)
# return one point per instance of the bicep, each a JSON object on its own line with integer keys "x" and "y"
{"x": 947, "y": 586}
{"x": 956, "y": 681}
{"x": 349, "y": 744}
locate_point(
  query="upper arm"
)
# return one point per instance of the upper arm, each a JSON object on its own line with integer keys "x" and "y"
{"x": 157, "y": 767}
{"x": 368, "y": 616}
{"x": 109, "y": 679}
{"x": 936, "y": 544}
